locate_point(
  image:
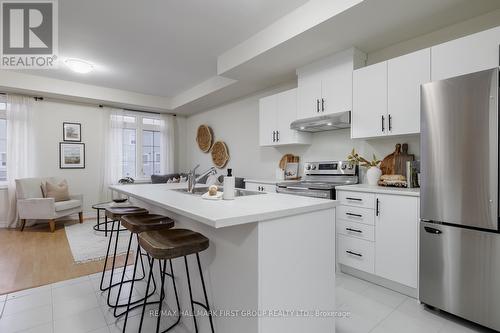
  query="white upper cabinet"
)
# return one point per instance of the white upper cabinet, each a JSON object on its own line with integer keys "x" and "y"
{"x": 326, "y": 86}
{"x": 276, "y": 113}
{"x": 369, "y": 113}
{"x": 466, "y": 55}
{"x": 396, "y": 225}
{"x": 308, "y": 96}
{"x": 386, "y": 96}
{"x": 268, "y": 118}
{"x": 405, "y": 76}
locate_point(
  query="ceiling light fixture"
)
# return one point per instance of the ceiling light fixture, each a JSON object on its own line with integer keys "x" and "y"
{"x": 329, "y": 124}
{"x": 79, "y": 66}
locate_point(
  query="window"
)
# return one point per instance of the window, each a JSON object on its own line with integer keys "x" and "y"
{"x": 150, "y": 152}
{"x": 141, "y": 145}
{"x": 129, "y": 152}
{"x": 3, "y": 139}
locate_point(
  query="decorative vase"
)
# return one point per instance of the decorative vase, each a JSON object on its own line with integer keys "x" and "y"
{"x": 373, "y": 175}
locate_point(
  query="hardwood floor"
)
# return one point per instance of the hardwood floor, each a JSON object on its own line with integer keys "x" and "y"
{"x": 37, "y": 257}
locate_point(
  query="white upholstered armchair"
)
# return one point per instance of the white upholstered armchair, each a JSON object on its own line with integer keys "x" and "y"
{"x": 32, "y": 205}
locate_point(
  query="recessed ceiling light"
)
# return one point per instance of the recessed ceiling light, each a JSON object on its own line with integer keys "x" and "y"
{"x": 329, "y": 124}
{"x": 79, "y": 66}
{"x": 302, "y": 127}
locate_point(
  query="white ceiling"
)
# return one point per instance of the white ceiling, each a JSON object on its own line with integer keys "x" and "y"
{"x": 157, "y": 47}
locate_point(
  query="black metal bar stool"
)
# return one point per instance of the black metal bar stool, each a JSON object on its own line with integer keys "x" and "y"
{"x": 114, "y": 214}
{"x": 100, "y": 225}
{"x": 137, "y": 224}
{"x": 170, "y": 244}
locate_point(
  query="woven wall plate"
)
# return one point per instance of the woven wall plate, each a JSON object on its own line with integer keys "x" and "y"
{"x": 204, "y": 138}
{"x": 220, "y": 154}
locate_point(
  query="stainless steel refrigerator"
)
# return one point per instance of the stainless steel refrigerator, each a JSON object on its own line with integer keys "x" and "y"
{"x": 459, "y": 230}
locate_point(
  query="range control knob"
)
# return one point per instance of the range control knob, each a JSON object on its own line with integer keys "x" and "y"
{"x": 313, "y": 167}
{"x": 308, "y": 167}
{"x": 351, "y": 166}
{"x": 344, "y": 166}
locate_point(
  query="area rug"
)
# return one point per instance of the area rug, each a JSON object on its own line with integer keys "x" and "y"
{"x": 86, "y": 244}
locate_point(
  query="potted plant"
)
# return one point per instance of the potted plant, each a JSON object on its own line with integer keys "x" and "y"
{"x": 373, "y": 173}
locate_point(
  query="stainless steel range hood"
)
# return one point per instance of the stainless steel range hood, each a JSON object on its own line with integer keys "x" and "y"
{"x": 327, "y": 122}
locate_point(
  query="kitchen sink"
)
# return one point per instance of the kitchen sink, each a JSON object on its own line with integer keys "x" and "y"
{"x": 199, "y": 191}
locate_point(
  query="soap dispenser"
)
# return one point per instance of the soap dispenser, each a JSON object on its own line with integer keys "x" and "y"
{"x": 228, "y": 186}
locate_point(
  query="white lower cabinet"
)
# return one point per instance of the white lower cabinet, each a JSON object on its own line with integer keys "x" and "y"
{"x": 377, "y": 234}
{"x": 396, "y": 239}
{"x": 356, "y": 253}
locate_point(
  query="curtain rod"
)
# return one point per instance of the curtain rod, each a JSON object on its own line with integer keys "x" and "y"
{"x": 40, "y": 98}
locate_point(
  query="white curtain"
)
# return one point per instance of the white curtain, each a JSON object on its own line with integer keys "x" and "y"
{"x": 19, "y": 147}
{"x": 167, "y": 143}
{"x": 113, "y": 150}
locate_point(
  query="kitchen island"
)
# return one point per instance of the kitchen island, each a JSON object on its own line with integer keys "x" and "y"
{"x": 270, "y": 266}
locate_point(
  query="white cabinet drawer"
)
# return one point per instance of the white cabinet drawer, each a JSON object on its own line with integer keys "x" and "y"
{"x": 354, "y": 229}
{"x": 356, "y": 253}
{"x": 357, "y": 199}
{"x": 356, "y": 214}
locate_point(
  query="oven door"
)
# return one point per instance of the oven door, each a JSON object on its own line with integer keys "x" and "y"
{"x": 305, "y": 192}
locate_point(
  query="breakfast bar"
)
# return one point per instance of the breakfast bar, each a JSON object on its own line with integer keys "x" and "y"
{"x": 270, "y": 266}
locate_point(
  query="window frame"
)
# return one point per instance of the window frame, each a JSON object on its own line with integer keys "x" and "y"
{"x": 3, "y": 115}
{"x": 139, "y": 127}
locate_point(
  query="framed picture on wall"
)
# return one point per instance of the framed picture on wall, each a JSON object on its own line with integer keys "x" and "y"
{"x": 72, "y": 132}
{"x": 71, "y": 155}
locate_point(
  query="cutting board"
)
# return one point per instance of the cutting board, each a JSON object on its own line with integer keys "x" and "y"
{"x": 389, "y": 162}
{"x": 401, "y": 159}
{"x": 288, "y": 158}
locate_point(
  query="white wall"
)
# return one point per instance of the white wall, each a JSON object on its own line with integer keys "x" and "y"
{"x": 49, "y": 116}
{"x": 238, "y": 125}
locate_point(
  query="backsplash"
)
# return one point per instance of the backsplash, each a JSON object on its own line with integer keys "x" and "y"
{"x": 250, "y": 160}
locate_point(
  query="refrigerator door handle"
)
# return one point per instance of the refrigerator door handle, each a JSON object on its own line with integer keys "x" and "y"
{"x": 433, "y": 230}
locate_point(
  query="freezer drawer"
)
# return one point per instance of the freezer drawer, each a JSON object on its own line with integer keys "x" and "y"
{"x": 460, "y": 272}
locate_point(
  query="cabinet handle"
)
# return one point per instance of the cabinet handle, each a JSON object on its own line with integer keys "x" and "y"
{"x": 383, "y": 124}
{"x": 274, "y": 136}
{"x": 356, "y": 215}
{"x": 322, "y": 104}
{"x": 390, "y": 123}
{"x": 354, "y": 253}
{"x": 354, "y": 230}
{"x": 354, "y": 199}
{"x": 377, "y": 207}
{"x": 278, "y": 136}
{"x": 317, "y": 105}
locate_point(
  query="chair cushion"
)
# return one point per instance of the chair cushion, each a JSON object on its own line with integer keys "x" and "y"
{"x": 58, "y": 191}
{"x": 68, "y": 204}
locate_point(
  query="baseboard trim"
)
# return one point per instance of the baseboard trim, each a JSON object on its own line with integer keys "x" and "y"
{"x": 400, "y": 288}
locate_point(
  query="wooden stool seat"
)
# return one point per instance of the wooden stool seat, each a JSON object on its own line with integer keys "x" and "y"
{"x": 172, "y": 243}
{"x": 115, "y": 213}
{"x": 148, "y": 222}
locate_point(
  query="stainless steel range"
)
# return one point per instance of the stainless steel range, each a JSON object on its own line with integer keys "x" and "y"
{"x": 320, "y": 179}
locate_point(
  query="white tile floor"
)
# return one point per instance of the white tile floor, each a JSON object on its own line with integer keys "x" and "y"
{"x": 77, "y": 306}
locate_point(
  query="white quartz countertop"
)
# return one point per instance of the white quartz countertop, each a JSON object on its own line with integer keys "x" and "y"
{"x": 224, "y": 213}
{"x": 414, "y": 192}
